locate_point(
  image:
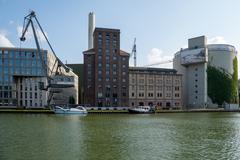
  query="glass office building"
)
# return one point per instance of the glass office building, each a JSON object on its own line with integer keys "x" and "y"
{"x": 20, "y": 71}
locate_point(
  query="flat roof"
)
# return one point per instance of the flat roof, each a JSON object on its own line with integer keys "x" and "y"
{"x": 107, "y": 29}
{"x": 150, "y": 69}
{"x": 20, "y": 49}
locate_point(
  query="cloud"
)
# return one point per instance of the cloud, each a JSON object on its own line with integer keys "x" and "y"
{"x": 4, "y": 41}
{"x": 156, "y": 56}
{"x": 217, "y": 40}
{"x": 11, "y": 22}
{"x": 29, "y": 34}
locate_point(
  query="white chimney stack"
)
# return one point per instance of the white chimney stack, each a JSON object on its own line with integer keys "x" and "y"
{"x": 91, "y": 27}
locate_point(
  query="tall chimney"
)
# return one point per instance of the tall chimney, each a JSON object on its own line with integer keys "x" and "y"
{"x": 91, "y": 27}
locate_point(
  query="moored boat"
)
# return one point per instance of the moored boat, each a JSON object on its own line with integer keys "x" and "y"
{"x": 141, "y": 109}
{"x": 77, "y": 110}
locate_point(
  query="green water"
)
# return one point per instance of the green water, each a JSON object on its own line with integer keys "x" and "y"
{"x": 120, "y": 136}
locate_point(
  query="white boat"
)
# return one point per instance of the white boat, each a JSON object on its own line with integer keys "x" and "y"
{"x": 77, "y": 110}
{"x": 141, "y": 109}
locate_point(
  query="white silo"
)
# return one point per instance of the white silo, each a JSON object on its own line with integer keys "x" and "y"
{"x": 91, "y": 27}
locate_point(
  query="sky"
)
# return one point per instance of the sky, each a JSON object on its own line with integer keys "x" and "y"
{"x": 161, "y": 27}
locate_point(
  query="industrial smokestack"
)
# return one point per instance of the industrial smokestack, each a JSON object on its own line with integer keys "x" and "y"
{"x": 91, "y": 27}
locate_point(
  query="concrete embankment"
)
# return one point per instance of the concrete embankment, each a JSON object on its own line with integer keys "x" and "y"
{"x": 47, "y": 111}
{"x": 44, "y": 111}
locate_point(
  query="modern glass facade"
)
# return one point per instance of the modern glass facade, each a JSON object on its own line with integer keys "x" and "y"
{"x": 16, "y": 66}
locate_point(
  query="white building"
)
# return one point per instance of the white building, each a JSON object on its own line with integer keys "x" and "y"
{"x": 202, "y": 67}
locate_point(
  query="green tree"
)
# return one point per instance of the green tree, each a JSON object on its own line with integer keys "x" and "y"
{"x": 223, "y": 87}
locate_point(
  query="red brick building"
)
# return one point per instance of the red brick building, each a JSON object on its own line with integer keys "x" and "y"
{"x": 106, "y": 71}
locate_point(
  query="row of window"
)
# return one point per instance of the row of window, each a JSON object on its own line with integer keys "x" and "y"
{"x": 20, "y": 63}
{"x": 168, "y": 95}
{"x": 29, "y": 95}
{"x": 151, "y": 87}
{"x": 17, "y": 54}
{"x": 30, "y": 103}
{"x": 151, "y": 81}
{"x": 19, "y": 70}
{"x": 113, "y": 79}
{"x": 160, "y": 104}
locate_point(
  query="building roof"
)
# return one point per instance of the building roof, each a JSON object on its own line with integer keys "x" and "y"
{"x": 106, "y": 29}
{"x": 123, "y": 53}
{"x": 20, "y": 49}
{"x": 152, "y": 70}
{"x": 89, "y": 51}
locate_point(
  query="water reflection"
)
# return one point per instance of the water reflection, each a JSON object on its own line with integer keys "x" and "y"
{"x": 123, "y": 136}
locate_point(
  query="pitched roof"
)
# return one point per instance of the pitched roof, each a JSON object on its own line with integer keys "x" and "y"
{"x": 123, "y": 53}
{"x": 89, "y": 51}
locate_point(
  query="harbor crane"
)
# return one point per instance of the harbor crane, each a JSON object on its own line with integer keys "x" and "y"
{"x": 48, "y": 72}
{"x": 134, "y": 53}
{"x": 158, "y": 63}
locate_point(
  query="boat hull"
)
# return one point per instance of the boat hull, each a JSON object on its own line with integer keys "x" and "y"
{"x": 68, "y": 112}
{"x": 132, "y": 111}
{"x": 77, "y": 110}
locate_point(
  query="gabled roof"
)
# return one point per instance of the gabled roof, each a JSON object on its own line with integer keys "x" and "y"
{"x": 123, "y": 53}
{"x": 89, "y": 51}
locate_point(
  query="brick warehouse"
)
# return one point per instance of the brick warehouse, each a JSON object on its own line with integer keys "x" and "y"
{"x": 106, "y": 71}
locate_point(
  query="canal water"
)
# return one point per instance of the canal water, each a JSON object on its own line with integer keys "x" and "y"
{"x": 120, "y": 136}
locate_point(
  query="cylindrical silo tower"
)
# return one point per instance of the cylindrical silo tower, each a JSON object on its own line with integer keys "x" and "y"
{"x": 222, "y": 75}
{"x": 210, "y": 74}
{"x": 91, "y": 27}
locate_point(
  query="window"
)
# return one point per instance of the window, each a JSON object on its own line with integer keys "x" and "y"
{"x": 150, "y": 88}
{"x": 159, "y": 94}
{"x": 150, "y": 94}
{"x": 141, "y": 94}
{"x": 133, "y": 80}
{"x": 123, "y": 80}
{"x": 132, "y": 94}
{"x": 123, "y": 58}
{"x": 141, "y": 87}
{"x": 141, "y": 80}
{"x": 107, "y": 52}
{"x": 150, "y": 81}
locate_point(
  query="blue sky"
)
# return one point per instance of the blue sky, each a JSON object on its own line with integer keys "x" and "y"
{"x": 161, "y": 27}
